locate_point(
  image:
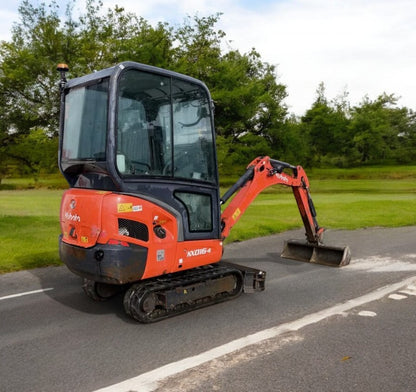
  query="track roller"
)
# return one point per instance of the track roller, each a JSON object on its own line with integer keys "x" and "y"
{"x": 100, "y": 291}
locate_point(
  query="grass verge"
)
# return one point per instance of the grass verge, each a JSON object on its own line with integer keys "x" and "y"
{"x": 29, "y": 229}
{"x": 274, "y": 213}
{"x": 29, "y": 219}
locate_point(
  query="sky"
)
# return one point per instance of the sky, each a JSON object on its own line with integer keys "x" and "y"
{"x": 362, "y": 47}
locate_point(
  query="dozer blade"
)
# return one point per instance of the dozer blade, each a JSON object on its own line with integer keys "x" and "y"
{"x": 318, "y": 254}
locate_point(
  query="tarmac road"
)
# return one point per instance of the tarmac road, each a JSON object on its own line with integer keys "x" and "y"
{"x": 315, "y": 328}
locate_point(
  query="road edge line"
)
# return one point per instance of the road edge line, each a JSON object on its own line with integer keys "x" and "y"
{"x": 148, "y": 382}
{"x": 25, "y": 293}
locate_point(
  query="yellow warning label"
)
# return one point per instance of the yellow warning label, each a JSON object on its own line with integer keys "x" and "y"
{"x": 124, "y": 207}
{"x": 84, "y": 239}
{"x": 236, "y": 214}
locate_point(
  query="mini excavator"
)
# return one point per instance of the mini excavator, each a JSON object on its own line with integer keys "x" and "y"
{"x": 142, "y": 214}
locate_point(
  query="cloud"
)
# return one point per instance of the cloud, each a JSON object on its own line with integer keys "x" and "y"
{"x": 363, "y": 46}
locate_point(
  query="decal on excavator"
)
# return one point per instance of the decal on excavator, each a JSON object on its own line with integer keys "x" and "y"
{"x": 236, "y": 214}
{"x": 282, "y": 177}
{"x": 198, "y": 252}
{"x": 72, "y": 217}
{"x": 128, "y": 207}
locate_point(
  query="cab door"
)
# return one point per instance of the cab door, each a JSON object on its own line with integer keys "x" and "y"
{"x": 165, "y": 146}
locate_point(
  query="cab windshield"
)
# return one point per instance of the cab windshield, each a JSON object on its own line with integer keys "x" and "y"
{"x": 164, "y": 128}
{"x": 85, "y": 126}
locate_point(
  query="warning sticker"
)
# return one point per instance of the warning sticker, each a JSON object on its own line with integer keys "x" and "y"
{"x": 128, "y": 207}
{"x": 124, "y": 207}
{"x": 236, "y": 214}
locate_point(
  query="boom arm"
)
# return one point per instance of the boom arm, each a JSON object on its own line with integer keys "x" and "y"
{"x": 261, "y": 173}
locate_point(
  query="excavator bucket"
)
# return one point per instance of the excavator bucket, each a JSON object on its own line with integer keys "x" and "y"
{"x": 318, "y": 254}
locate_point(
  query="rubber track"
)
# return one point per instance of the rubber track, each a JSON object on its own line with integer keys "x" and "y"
{"x": 182, "y": 279}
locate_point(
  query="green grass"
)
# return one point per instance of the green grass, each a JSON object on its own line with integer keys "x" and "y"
{"x": 364, "y": 173}
{"x": 29, "y": 229}
{"x": 340, "y": 204}
{"x": 50, "y": 181}
{"x": 273, "y": 213}
{"x": 29, "y": 219}
{"x": 357, "y": 173}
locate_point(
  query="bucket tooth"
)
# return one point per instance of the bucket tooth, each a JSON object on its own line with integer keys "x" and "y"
{"x": 318, "y": 254}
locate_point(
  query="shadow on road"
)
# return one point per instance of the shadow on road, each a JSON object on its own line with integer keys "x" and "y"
{"x": 67, "y": 290}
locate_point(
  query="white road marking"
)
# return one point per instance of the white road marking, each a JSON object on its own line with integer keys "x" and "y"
{"x": 410, "y": 290}
{"x": 384, "y": 264}
{"x": 25, "y": 293}
{"x": 148, "y": 382}
{"x": 367, "y": 313}
{"x": 397, "y": 297}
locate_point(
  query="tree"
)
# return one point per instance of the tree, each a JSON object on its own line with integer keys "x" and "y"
{"x": 376, "y": 128}
{"x": 28, "y": 77}
{"x": 372, "y": 132}
{"x": 28, "y": 89}
{"x": 324, "y": 126}
{"x": 407, "y": 138}
{"x": 198, "y": 49}
{"x": 3, "y": 138}
{"x": 104, "y": 40}
{"x": 244, "y": 88}
{"x": 28, "y": 71}
{"x": 36, "y": 153}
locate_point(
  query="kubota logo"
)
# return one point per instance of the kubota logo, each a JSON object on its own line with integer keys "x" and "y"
{"x": 72, "y": 217}
{"x": 282, "y": 177}
{"x": 198, "y": 252}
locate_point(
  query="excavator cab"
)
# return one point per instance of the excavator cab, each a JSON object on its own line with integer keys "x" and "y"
{"x": 143, "y": 211}
{"x": 134, "y": 129}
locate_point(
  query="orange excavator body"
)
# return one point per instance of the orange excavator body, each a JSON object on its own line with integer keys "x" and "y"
{"x": 126, "y": 238}
{"x": 143, "y": 212}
